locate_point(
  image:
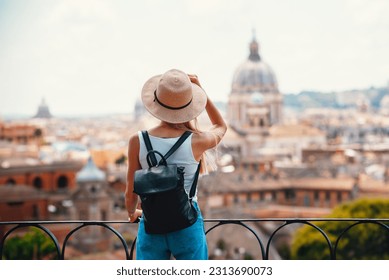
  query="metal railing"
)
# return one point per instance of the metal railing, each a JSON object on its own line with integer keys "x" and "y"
{"x": 264, "y": 249}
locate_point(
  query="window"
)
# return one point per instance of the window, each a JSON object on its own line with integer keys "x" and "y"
{"x": 316, "y": 196}
{"x": 83, "y": 215}
{"x": 328, "y": 195}
{"x": 10, "y": 182}
{"x": 290, "y": 195}
{"x": 93, "y": 189}
{"x": 38, "y": 183}
{"x": 307, "y": 200}
{"x": 339, "y": 196}
{"x": 104, "y": 215}
{"x": 62, "y": 182}
{"x": 15, "y": 203}
{"x": 273, "y": 196}
{"x": 35, "y": 212}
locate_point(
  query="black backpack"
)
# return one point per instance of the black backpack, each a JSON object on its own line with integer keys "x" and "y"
{"x": 166, "y": 205}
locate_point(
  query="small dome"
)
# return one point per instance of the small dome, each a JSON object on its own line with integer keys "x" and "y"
{"x": 384, "y": 105}
{"x": 43, "y": 111}
{"x": 385, "y": 102}
{"x": 254, "y": 75}
{"x": 90, "y": 173}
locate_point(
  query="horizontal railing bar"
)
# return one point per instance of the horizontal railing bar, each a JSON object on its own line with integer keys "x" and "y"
{"x": 89, "y": 222}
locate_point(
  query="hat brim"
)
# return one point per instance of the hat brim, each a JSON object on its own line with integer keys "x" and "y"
{"x": 186, "y": 114}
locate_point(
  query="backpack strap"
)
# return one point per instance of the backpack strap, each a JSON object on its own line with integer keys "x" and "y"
{"x": 149, "y": 147}
{"x": 192, "y": 191}
{"x": 176, "y": 145}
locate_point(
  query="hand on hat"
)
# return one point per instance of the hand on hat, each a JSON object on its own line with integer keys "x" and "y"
{"x": 194, "y": 79}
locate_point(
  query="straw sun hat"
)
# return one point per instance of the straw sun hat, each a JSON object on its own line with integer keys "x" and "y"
{"x": 173, "y": 98}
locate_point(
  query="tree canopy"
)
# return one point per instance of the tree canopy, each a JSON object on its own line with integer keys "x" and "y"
{"x": 368, "y": 241}
{"x": 33, "y": 245}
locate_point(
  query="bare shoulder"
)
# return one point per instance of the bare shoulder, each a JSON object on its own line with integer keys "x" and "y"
{"x": 133, "y": 153}
{"x": 133, "y": 142}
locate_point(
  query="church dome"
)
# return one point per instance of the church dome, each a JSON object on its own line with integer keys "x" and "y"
{"x": 90, "y": 173}
{"x": 254, "y": 75}
{"x": 43, "y": 111}
{"x": 384, "y": 104}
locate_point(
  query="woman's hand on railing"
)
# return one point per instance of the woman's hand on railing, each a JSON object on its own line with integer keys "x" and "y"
{"x": 134, "y": 217}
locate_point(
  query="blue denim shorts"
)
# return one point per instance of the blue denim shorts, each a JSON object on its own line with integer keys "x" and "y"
{"x": 187, "y": 244}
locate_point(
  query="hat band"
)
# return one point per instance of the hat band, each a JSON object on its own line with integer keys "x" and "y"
{"x": 170, "y": 107}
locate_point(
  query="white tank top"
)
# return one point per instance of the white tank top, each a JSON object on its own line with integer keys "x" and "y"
{"x": 183, "y": 156}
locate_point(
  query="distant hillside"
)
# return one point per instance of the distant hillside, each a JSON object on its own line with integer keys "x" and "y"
{"x": 346, "y": 99}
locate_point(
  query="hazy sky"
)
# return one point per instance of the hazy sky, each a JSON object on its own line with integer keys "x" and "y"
{"x": 88, "y": 57}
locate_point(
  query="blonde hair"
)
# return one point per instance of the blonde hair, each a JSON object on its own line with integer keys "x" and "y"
{"x": 208, "y": 158}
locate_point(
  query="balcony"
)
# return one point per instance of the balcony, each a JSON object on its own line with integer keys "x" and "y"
{"x": 251, "y": 227}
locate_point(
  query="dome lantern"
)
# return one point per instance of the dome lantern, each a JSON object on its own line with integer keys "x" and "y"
{"x": 254, "y": 51}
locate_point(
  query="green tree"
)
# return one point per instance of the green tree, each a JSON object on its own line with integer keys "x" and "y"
{"x": 363, "y": 241}
{"x": 33, "y": 245}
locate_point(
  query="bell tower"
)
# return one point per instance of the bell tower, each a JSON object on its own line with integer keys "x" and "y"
{"x": 92, "y": 202}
